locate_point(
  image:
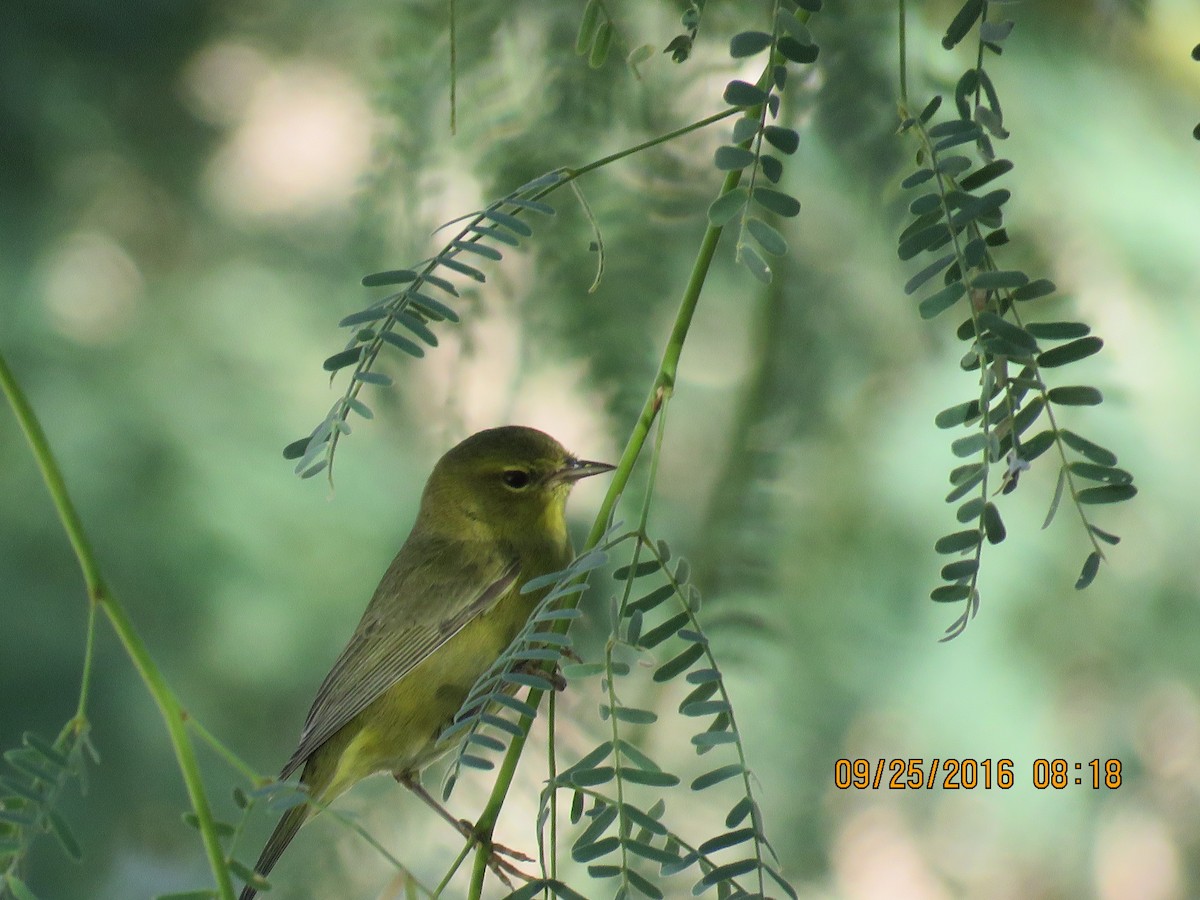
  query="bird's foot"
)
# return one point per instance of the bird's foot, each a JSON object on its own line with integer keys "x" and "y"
{"x": 500, "y": 866}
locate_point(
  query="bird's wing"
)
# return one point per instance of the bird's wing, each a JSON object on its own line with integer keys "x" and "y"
{"x": 417, "y": 607}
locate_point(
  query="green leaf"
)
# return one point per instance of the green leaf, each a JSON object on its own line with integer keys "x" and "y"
{"x": 918, "y": 177}
{"x": 1097, "y": 454}
{"x": 66, "y": 838}
{"x": 1075, "y": 396}
{"x": 643, "y": 884}
{"x": 600, "y": 44}
{"x": 768, "y": 238}
{"x": 954, "y": 165}
{"x": 401, "y": 342}
{"x": 497, "y": 234}
{"x": 753, "y": 261}
{"x": 728, "y": 839}
{"x": 785, "y": 140}
{"x": 373, "y": 378}
{"x": 652, "y": 853}
{"x": 1067, "y": 353}
{"x": 924, "y": 239}
{"x": 1106, "y": 474}
{"x": 942, "y": 300}
{"x": 970, "y": 445}
{"x": 667, "y": 629}
{"x": 394, "y": 276}
{"x": 649, "y": 777}
{"x": 744, "y": 129}
{"x": 1037, "y": 445}
{"x": 970, "y": 511}
{"x": 585, "y": 778}
{"x": 646, "y": 567}
{"x": 342, "y": 360}
{"x": 652, "y": 600}
{"x": 434, "y": 309}
{"x": 742, "y": 93}
{"x": 509, "y": 221}
{"x": 587, "y": 27}
{"x": 727, "y": 872}
{"x": 716, "y": 776}
{"x": 1027, "y": 415}
{"x": 698, "y": 708}
{"x": 971, "y": 208}
{"x": 993, "y": 525}
{"x": 1110, "y": 493}
{"x": 371, "y": 314}
{"x": 926, "y": 204}
{"x": 706, "y": 740}
{"x": 680, "y": 663}
{"x": 984, "y": 174}
{"x": 1010, "y": 332}
{"x": 634, "y": 716}
{"x": 1105, "y": 536}
{"x": 950, "y": 593}
{"x": 727, "y": 206}
{"x": 959, "y": 414}
{"x": 791, "y": 49}
{"x": 968, "y": 484}
{"x": 748, "y": 43}
{"x": 777, "y": 202}
{"x": 462, "y": 268}
{"x": 1000, "y": 280}
{"x": 962, "y": 22}
{"x": 1035, "y": 289}
{"x": 771, "y": 167}
{"x": 1057, "y": 331}
{"x": 1091, "y": 566}
{"x": 928, "y": 272}
{"x": 594, "y": 756}
{"x": 727, "y": 158}
{"x": 930, "y": 108}
{"x": 962, "y": 568}
{"x": 188, "y": 895}
{"x": 958, "y": 541}
{"x": 965, "y": 135}
{"x": 587, "y": 852}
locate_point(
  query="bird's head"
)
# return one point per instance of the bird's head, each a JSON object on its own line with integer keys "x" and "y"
{"x": 509, "y": 482}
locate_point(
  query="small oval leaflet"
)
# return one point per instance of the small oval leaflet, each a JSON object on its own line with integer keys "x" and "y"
{"x": 768, "y": 238}
{"x": 1068, "y": 353}
{"x": 394, "y": 276}
{"x": 742, "y": 93}
{"x": 958, "y": 541}
{"x": 1075, "y": 395}
{"x": 748, "y": 43}
{"x": 728, "y": 158}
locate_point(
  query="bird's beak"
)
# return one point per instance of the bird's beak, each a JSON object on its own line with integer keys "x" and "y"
{"x": 574, "y": 469}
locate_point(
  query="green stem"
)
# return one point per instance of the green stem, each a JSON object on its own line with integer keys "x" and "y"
{"x": 234, "y": 761}
{"x": 661, "y": 388}
{"x": 98, "y": 595}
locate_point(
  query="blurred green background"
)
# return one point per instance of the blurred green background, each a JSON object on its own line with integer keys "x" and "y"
{"x": 189, "y": 193}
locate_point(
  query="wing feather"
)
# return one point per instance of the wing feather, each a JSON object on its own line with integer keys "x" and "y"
{"x": 419, "y": 605}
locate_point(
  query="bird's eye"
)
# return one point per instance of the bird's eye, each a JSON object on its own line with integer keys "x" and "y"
{"x": 515, "y": 478}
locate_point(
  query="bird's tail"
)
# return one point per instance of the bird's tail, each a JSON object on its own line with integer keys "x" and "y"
{"x": 280, "y": 838}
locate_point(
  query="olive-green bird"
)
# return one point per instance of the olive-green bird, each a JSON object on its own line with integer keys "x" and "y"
{"x": 492, "y": 517}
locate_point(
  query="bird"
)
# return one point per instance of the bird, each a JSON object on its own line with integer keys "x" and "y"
{"x": 491, "y": 517}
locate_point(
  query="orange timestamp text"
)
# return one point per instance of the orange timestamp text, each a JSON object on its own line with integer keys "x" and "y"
{"x": 970, "y": 774}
